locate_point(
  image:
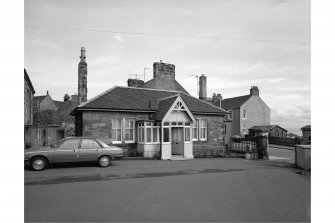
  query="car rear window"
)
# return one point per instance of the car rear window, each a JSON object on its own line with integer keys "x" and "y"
{"x": 70, "y": 143}
{"x": 89, "y": 144}
{"x": 102, "y": 143}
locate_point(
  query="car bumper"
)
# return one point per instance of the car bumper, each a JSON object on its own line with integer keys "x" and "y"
{"x": 118, "y": 156}
{"x": 26, "y": 162}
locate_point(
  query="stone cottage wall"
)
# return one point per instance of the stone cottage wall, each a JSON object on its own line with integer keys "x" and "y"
{"x": 100, "y": 124}
{"x": 215, "y": 135}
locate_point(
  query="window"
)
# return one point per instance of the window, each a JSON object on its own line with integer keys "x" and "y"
{"x": 203, "y": 129}
{"x": 244, "y": 129}
{"x": 129, "y": 130}
{"x": 89, "y": 144}
{"x": 244, "y": 114}
{"x": 187, "y": 134}
{"x": 148, "y": 129}
{"x": 195, "y": 130}
{"x": 155, "y": 133}
{"x": 230, "y": 116}
{"x": 140, "y": 137}
{"x": 166, "y": 134}
{"x": 225, "y": 129}
{"x": 70, "y": 143}
{"x": 116, "y": 130}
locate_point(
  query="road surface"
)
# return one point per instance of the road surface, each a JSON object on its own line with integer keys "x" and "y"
{"x": 211, "y": 189}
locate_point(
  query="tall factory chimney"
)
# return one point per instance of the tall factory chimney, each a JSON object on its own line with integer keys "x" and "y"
{"x": 202, "y": 87}
{"x": 82, "y": 77}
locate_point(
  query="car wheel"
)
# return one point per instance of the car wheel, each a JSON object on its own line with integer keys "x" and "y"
{"x": 104, "y": 161}
{"x": 38, "y": 163}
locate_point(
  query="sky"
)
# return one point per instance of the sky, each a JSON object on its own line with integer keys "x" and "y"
{"x": 235, "y": 43}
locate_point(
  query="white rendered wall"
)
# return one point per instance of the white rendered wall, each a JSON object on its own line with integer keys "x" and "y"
{"x": 188, "y": 150}
{"x": 166, "y": 151}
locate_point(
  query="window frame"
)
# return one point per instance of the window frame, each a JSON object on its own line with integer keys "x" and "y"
{"x": 120, "y": 128}
{"x": 125, "y": 129}
{"x": 189, "y": 128}
{"x": 244, "y": 114}
{"x": 244, "y": 129}
{"x": 196, "y": 127}
{"x": 200, "y": 130}
{"x": 230, "y": 115}
{"x": 169, "y": 131}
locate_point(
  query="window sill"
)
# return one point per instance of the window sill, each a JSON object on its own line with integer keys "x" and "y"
{"x": 129, "y": 142}
{"x": 116, "y": 142}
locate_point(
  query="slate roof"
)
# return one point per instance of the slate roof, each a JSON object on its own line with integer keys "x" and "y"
{"x": 67, "y": 107}
{"x": 163, "y": 107}
{"x": 232, "y": 103}
{"x": 141, "y": 99}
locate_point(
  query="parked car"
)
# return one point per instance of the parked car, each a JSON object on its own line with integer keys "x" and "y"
{"x": 72, "y": 149}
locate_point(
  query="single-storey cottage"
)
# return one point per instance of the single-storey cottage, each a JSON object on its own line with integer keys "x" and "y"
{"x": 159, "y": 118}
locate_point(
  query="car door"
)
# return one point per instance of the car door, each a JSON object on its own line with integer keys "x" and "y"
{"x": 89, "y": 150}
{"x": 68, "y": 151}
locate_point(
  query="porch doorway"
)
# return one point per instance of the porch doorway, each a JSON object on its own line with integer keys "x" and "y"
{"x": 177, "y": 141}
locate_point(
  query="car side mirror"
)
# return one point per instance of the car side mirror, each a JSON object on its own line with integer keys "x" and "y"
{"x": 52, "y": 145}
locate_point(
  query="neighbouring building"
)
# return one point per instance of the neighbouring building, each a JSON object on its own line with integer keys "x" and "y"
{"x": 245, "y": 112}
{"x": 29, "y": 92}
{"x": 273, "y": 130}
{"x": 158, "y": 119}
{"x": 51, "y": 121}
{"x": 306, "y": 134}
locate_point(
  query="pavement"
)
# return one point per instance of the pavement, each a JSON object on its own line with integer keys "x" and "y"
{"x": 198, "y": 190}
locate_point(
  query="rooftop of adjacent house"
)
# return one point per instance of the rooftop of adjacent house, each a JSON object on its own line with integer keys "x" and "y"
{"x": 61, "y": 105}
{"x": 232, "y": 103}
{"x": 266, "y": 128}
{"x": 164, "y": 84}
{"x": 306, "y": 127}
{"x": 143, "y": 99}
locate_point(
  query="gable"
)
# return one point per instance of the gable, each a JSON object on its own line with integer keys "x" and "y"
{"x": 179, "y": 111}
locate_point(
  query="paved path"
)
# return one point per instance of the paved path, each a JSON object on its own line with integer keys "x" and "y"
{"x": 150, "y": 190}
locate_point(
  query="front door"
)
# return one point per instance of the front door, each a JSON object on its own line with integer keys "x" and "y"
{"x": 177, "y": 141}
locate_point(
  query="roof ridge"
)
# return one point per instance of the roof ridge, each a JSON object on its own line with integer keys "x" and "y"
{"x": 236, "y": 97}
{"x": 162, "y": 99}
{"x": 149, "y": 89}
{"x": 206, "y": 102}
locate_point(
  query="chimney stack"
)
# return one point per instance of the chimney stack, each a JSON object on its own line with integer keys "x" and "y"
{"x": 134, "y": 82}
{"x": 254, "y": 91}
{"x": 164, "y": 70}
{"x": 216, "y": 97}
{"x": 202, "y": 87}
{"x": 82, "y": 77}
